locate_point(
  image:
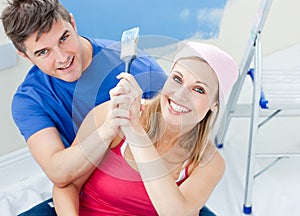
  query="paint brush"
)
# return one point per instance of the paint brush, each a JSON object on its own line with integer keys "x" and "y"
{"x": 129, "y": 42}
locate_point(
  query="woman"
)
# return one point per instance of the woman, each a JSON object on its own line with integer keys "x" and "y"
{"x": 161, "y": 160}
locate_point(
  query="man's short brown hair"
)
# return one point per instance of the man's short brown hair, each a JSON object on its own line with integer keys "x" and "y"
{"x": 21, "y": 18}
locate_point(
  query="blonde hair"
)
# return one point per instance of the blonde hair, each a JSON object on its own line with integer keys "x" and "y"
{"x": 194, "y": 142}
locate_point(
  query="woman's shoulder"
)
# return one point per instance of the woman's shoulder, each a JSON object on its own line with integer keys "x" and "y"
{"x": 211, "y": 156}
{"x": 212, "y": 164}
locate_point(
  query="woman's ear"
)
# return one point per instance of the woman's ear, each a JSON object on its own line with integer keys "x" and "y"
{"x": 214, "y": 107}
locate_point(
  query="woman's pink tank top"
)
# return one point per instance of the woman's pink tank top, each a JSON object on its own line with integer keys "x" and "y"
{"x": 115, "y": 188}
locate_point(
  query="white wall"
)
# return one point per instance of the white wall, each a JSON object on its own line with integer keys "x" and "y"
{"x": 280, "y": 30}
{"x": 10, "y": 78}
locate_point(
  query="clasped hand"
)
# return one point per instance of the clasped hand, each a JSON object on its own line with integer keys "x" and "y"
{"x": 126, "y": 102}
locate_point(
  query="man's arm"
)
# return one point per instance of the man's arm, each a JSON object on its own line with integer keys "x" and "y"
{"x": 64, "y": 165}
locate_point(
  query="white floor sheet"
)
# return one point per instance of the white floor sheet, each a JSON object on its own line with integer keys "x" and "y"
{"x": 275, "y": 192}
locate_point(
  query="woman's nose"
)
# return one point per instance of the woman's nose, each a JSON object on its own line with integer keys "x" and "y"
{"x": 182, "y": 93}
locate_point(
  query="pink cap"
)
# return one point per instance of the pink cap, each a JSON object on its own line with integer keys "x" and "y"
{"x": 223, "y": 64}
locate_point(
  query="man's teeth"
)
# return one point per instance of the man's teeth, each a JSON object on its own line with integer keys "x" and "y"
{"x": 178, "y": 108}
{"x": 68, "y": 65}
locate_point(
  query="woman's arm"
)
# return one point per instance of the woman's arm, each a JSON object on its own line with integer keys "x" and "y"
{"x": 107, "y": 120}
{"x": 66, "y": 200}
{"x": 166, "y": 196}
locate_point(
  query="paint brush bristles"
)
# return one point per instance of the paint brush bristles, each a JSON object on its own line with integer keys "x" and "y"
{"x": 129, "y": 43}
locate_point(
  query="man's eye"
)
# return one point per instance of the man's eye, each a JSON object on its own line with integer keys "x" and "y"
{"x": 64, "y": 38}
{"x": 43, "y": 52}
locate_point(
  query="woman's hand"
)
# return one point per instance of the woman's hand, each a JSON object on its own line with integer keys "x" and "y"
{"x": 126, "y": 101}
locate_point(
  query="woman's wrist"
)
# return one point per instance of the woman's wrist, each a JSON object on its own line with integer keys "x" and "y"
{"x": 136, "y": 136}
{"x": 106, "y": 134}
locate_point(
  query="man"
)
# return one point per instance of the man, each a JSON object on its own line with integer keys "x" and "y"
{"x": 71, "y": 75}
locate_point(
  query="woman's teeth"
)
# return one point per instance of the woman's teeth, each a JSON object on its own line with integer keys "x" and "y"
{"x": 178, "y": 108}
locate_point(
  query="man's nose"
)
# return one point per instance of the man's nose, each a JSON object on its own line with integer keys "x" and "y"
{"x": 61, "y": 55}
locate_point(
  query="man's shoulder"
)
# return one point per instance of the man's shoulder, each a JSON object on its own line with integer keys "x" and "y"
{"x": 34, "y": 77}
{"x": 104, "y": 44}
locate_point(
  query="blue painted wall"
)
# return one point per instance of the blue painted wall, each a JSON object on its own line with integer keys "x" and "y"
{"x": 179, "y": 19}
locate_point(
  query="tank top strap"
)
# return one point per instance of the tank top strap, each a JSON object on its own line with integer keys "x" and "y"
{"x": 184, "y": 172}
{"x": 120, "y": 148}
{"x": 123, "y": 146}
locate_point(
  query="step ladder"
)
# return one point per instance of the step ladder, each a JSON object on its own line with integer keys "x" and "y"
{"x": 268, "y": 102}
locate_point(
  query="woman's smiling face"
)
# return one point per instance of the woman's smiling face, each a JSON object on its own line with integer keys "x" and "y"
{"x": 189, "y": 93}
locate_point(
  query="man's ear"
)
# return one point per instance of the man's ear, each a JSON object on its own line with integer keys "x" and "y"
{"x": 214, "y": 107}
{"x": 24, "y": 56}
{"x": 73, "y": 23}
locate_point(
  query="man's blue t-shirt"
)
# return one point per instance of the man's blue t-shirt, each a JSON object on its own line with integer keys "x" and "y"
{"x": 43, "y": 101}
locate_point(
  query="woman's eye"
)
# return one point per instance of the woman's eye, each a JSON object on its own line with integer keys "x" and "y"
{"x": 177, "y": 79}
{"x": 199, "y": 90}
